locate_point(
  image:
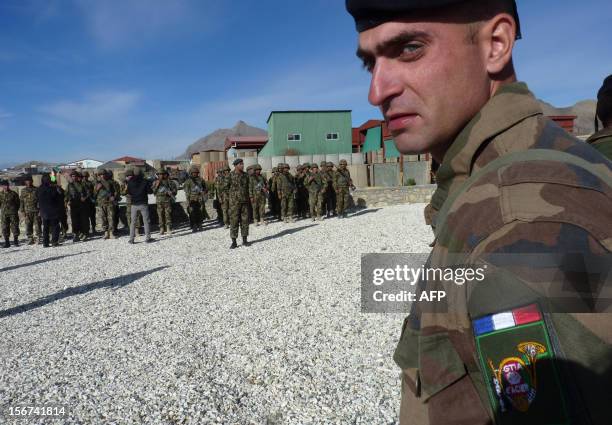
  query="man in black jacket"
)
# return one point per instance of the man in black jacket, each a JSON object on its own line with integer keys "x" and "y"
{"x": 138, "y": 189}
{"x": 50, "y": 202}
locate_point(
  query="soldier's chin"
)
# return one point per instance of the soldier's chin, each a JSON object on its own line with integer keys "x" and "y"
{"x": 410, "y": 144}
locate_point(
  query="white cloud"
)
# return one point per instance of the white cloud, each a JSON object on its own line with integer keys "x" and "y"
{"x": 4, "y": 115}
{"x": 96, "y": 108}
{"x": 118, "y": 23}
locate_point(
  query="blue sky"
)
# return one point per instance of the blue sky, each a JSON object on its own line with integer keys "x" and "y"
{"x": 106, "y": 78}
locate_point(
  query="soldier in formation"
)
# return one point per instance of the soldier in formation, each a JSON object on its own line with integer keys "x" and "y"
{"x": 29, "y": 211}
{"x": 316, "y": 186}
{"x": 77, "y": 196}
{"x": 274, "y": 199}
{"x": 106, "y": 194}
{"x": 165, "y": 191}
{"x": 330, "y": 195}
{"x": 286, "y": 193}
{"x": 9, "y": 215}
{"x": 223, "y": 190}
{"x": 258, "y": 191}
{"x": 195, "y": 190}
{"x": 91, "y": 204}
{"x": 602, "y": 139}
{"x": 342, "y": 183}
{"x": 239, "y": 202}
{"x": 217, "y": 195}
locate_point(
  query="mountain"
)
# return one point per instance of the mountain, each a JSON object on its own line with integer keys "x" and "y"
{"x": 216, "y": 139}
{"x": 584, "y": 111}
{"x": 39, "y": 164}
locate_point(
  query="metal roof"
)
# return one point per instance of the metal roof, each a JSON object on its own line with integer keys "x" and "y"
{"x": 307, "y": 111}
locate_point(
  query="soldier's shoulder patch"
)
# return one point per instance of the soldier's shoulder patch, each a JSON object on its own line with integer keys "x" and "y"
{"x": 518, "y": 364}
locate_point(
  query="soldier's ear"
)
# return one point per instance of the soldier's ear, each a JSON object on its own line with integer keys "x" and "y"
{"x": 498, "y": 36}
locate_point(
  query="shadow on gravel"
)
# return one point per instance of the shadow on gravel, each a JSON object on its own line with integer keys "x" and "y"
{"x": 33, "y": 263}
{"x": 114, "y": 283}
{"x": 362, "y": 212}
{"x": 282, "y": 233}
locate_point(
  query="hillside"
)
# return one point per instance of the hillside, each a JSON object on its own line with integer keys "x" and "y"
{"x": 216, "y": 139}
{"x": 584, "y": 110}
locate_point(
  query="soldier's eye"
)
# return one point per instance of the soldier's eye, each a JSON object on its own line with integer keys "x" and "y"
{"x": 411, "y": 50}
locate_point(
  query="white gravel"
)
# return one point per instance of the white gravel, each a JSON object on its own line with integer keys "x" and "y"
{"x": 186, "y": 331}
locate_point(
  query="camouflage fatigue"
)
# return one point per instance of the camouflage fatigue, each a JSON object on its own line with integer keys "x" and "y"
{"x": 330, "y": 194}
{"x": 341, "y": 182}
{"x": 602, "y": 141}
{"x": 533, "y": 206}
{"x": 224, "y": 189}
{"x": 105, "y": 195}
{"x": 29, "y": 209}
{"x": 257, "y": 193}
{"x": 274, "y": 198}
{"x": 117, "y": 189}
{"x": 165, "y": 191}
{"x": 195, "y": 188}
{"x": 77, "y": 196}
{"x": 286, "y": 192}
{"x": 91, "y": 204}
{"x": 301, "y": 195}
{"x": 238, "y": 203}
{"x": 316, "y": 186}
{"x": 63, "y": 220}
{"x": 9, "y": 204}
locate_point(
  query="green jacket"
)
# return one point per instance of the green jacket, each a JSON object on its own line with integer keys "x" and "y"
{"x": 524, "y": 210}
{"x": 165, "y": 190}
{"x": 239, "y": 187}
{"x": 9, "y": 203}
{"x": 195, "y": 189}
{"x": 315, "y": 182}
{"x": 257, "y": 186}
{"x": 285, "y": 184}
{"x": 342, "y": 179}
{"x": 602, "y": 141}
{"x": 29, "y": 200}
{"x": 105, "y": 192}
{"x": 77, "y": 192}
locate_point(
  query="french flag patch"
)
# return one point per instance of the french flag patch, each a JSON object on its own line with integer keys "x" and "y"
{"x": 507, "y": 319}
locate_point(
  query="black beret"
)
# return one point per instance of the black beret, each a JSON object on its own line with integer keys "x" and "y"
{"x": 606, "y": 88}
{"x": 371, "y": 13}
{"x": 604, "y": 100}
{"x": 237, "y": 161}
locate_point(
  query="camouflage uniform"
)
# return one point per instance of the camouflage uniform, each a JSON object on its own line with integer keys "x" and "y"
{"x": 286, "y": 192}
{"x": 63, "y": 220}
{"x": 195, "y": 188}
{"x": 105, "y": 194}
{"x": 91, "y": 202}
{"x": 330, "y": 195}
{"x": 238, "y": 204}
{"x": 29, "y": 210}
{"x": 341, "y": 183}
{"x": 316, "y": 186}
{"x": 602, "y": 141}
{"x": 224, "y": 190}
{"x": 9, "y": 203}
{"x": 274, "y": 200}
{"x": 77, "y": 197}
{"x": 528, "y": 187}
{"x": 165, "y": 191}
{"x": 217, "y": 202}
{"x": 258, "y": 187}
{"x": 117, "y": 188}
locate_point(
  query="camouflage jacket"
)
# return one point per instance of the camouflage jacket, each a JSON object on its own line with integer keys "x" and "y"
{"x": 239, "y": 188}
{"x": 90, "y": 188}
{"x": 105, "y": 192}
{"x": 285, "y": 184}
{"x": 219, "y": 182}
{"x": 257, "y": 186}
{"x": 342, "y": 179}
{"x": 536, "y": 206}
{"x": 602, "y": 141}
{"x": 77, "y": 191}
{"x": 329, "y": 177}
{"x": 274, "y": 182}
{"x": 165, "y": 190}
{"x": 195, "y": 189}
{"x": 315, "y": 182}
{"x": 9, "y": 203}
{"x": 29, "y": 200}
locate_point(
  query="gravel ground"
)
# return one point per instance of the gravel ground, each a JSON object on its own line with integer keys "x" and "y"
{"x": 184, "y": 330}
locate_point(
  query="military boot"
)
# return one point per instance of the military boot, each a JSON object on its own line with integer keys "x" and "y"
{"x": 245, "y": 242}
{"x": 263, "y": 222}
{"x": 111, "y": 235}
{"x": 106, "y": 235}
{"x": 234, "y": 244}
{"x": 169, "y": 230}
{"x": 7, "y": 244}
{"x": 162, "y": 230}
{"x": 31, "y": 241}
{"x": 16, "y": 241}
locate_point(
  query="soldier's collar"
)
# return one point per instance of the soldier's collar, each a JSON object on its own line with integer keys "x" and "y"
{"x": 511, "y": 104}
{"x": 605, "y": 132}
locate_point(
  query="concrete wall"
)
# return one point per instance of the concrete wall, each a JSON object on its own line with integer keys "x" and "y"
{"x": 381, "y": 196}
{"x": 417, "y": 170}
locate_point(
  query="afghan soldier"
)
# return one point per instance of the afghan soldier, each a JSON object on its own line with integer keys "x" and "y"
{"x": 323, "y": 172}
{"x": 602, "y": 139}
{"x": 224, "y": 191}
{"x": 316, "y": 186}
{"x": 258, "y": 190}
{"x": 29, "y": 211}
{"x": 239, "y": 201}
{"x": 105, "y": 195}
{"x": 518, "y": 198}
{"x": 165, "y": 191}
{"x": 77, "y": 196}
{"x": 286, "y": 193}
{"x": 194, "y": 188}
{"x": 274, "y": 199}
{"x": 117, "y": 188}
{"x": 330, "y": 195}
{"x": 63, "y": 219}
{"x": 91, "y": 201}
{"x": 217, "y": 200}
{"x": 300, "y": 199}
{"x": 9, "y": 204}
{"x": 129, "y": 174}
{"x": 342, "y": 182}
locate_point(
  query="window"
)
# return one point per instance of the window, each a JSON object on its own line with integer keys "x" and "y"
{"x": 294, "y": 137}
{"x": 332, "y": 136}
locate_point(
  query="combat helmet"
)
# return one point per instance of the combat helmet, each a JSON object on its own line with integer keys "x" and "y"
{"x": 257, "y": 167}
{"x": 162, "y": 170}
{"x": 342, "y": 162}
{"x": 194, "y": 169}
{"x": 101, "y": 172}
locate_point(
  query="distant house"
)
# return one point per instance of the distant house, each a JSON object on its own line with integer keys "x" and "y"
{"x": 245, "y": 144}
{"x": 129, "y": 160}
{"x": 81, "y": 163}
{"x": 308, "y": 132}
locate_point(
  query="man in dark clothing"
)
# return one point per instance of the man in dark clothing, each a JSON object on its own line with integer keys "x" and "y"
{"x": 50, "y": 202}
{"x": 138, "y": 189}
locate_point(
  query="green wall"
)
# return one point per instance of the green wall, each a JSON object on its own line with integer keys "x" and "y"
{"x": 313, "y": 126}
